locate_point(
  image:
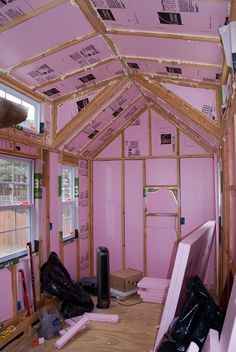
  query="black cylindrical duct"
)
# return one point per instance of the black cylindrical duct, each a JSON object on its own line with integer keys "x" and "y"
{"x": 103, "y": 278}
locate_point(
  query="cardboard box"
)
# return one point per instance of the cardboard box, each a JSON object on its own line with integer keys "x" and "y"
{"x": 125, "y": 280}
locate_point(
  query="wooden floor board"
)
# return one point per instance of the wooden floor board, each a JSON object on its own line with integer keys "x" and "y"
{"x": 135, "y": 332}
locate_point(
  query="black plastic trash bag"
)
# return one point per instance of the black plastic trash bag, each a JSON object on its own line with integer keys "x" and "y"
{"x": 56, "y": 281}
{"x": 197, "y": 316}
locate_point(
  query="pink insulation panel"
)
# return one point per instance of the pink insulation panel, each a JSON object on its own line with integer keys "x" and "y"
{"x": 161, "y": 172}
{"x": 134, "y": 214}
{"x": 6, "y": 303}
{"x": 83, "y": 80}
{"x": 174, "y": 70}
{"x": 107, "y": 210}
{"x": 104, "y": 119}
{"x": 137, "y": 137}
{"x": 202, "y": 133}
{"x": 161, "y": 201}
{"x": 196, "y": 17}
{"x": 40, "y": 34}
{"x": 161, "y": 240}
{"x": 69, "y": 109}
{"x": 188, "y": 147}
{"x": 197, "y": 192}
{"x": 202, "y": 99}
{"x": 84, "y": 258}
{"x": 163, "y": 136}
{"x": 176, "y": 49}
{"x": 70, "y": 259}
{"x": 114, "y": 149}
{"x": 12, "y": 10}
{"x": 117, "y": 125}
{"x": 196, "y": 245}
{"x": 66, "y": 61}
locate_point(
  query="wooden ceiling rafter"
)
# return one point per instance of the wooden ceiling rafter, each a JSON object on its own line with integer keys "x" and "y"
{"x": 72, "y": 74}
{"x": 110, "y": 123}
{"x": 182, "y": 81}
{"x": 92, "y": 16}
{"x": 54, "y": 50}
{"x": 31, "y": 14}
{"x": 179, "y": 104}
{"x": 102, "y": 98}
{"x": 88, "y": 90}
{"x": 188, "y": 131}
{"x": 122, "y": 128}
{"x": 151, "y": 34}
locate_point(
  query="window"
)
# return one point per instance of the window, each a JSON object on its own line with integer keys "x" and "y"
{"x": 68, "y": 202}
{"x": 33, "y": 118}
{"x": 16, "y": 206}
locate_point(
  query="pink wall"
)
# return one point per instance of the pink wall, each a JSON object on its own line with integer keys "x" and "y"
{"x": 136, "y": 137}
{"x": 161, "y": 240}
{"x": 197, "y": 192}
{"x": 188, "y": 146}
{"x": 163, "y": 136}
{"x": 6, "y": 302}
{"x": 107, "y": 209}
{"x": 134, "y": 214}
{"x": 112, "y": 150}
{"x": 161, "y": 172}
{"x": 55, "y": 208}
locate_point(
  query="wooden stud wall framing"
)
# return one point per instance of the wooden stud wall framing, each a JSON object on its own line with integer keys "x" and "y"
{"x": 46, "y": 183}
{"x": 90, "y": 222}
{"x": 144, "y": 226}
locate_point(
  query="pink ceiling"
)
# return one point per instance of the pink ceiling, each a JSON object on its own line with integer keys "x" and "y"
{"x": 83, "y": 80}
{"x": 11, "y": 10}
{"x": 174, "y": 70}
{"x": 42, "y": 32}
{"x": 194, "y": 17}
{"x": 173, "y": 49}
{"x": 202, "y": 99}
{"x": 49, "y": 53}
{"x": 104, "y": 118}
{"x": 68, "y": 60}
{"x": 69, "y": 109}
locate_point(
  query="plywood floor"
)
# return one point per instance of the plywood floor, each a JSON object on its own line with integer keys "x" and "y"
{"x": 135, "y": 332}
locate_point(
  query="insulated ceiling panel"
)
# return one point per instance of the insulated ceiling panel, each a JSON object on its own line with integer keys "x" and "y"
{"x": 174, "y": 70}
{"x": 116, "y": 126}
{"x": 105, "y": 118}
{"x": 201, "y": 132}
{"x": 168, "y": 48}
{"x": 202, "y": 99}
{"x": 10, "y": 10}
{"x": 83, "y": 80}
{"x": 63, "y": 62}
{"x": 40, "y": 33}
{"x": 69, "y": 109}
{"x": 176, "y": 16}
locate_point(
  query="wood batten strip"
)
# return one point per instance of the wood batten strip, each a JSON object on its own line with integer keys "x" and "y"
{"x": 186, "y": 82}
{"x": 113, "y": 137}
{"x": 88, "y": 111}
{"x": 179, "y": 104}
{"x": 174, "y": 62}
{"x": 86, "y": 91}
{"x": 53, "y": 51}
{"x": 150, "y": 34}
{"x": 92, "y": 16}
{"x": 182, "y": 127}
{"x": 90, "y": 222}
{"x": 31, "y": 14}
{"x": 109, "y": 124}
{"x": 72, "y": 74}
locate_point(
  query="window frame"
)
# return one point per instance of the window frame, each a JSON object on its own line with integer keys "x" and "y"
{"x": 26, "y": 99}
{"x": 74, "y": 218}
{"x": 15, "y": 207}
